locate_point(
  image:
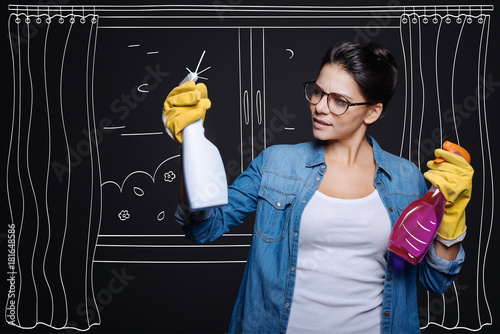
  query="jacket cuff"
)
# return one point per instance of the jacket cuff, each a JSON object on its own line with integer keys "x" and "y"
{"x": 185, "y": 218}
{"x": 445, "y": 266}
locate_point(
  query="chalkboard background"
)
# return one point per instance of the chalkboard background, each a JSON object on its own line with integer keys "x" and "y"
{"x": 91, "y": 177}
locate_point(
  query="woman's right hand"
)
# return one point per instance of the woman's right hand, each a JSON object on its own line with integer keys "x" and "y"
{"x": 184, "y": 105}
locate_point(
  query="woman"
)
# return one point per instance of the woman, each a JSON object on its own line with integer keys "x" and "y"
{"x": 318, "y": 260}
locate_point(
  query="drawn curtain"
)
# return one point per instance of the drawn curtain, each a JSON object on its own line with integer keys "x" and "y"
{"x": 451, "y": 105}
{"x": 52, "y": 150}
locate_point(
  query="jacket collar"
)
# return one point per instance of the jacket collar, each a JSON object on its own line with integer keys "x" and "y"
{"x": 317, "y": 155}
{"x": 380, "y": 156}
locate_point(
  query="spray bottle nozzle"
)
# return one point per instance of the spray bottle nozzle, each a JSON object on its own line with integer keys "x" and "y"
{"x": 454, "y": 148}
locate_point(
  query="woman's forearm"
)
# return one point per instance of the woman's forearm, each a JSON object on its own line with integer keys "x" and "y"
{"x": 447, "y": 253}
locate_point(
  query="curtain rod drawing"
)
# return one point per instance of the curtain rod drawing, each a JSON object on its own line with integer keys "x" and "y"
{"x": 255, "y": 8}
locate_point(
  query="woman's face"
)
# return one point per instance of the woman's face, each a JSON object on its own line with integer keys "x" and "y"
{"x": 327, "y": 126}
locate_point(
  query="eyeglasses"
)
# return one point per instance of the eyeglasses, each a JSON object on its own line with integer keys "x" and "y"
{"x": 337, "y": 103}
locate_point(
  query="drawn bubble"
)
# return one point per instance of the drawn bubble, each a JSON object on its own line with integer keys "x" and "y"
{"x": 138, "y": 191}
{"x": 124, "y": 215}
{"x": 140, "y": 89}
{"x": 169, "y": 176}
{"x": 161, "y": 216}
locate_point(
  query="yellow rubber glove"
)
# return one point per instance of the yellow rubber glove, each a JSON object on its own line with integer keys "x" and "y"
{"x": 454, "y": 178}
{"x": 184, "y": 105}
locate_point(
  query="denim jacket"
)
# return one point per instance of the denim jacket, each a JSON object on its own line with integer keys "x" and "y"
{"x": 278, "y": 185}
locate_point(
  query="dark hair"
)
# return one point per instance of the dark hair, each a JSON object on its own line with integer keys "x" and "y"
{"x": 372, "y": 66}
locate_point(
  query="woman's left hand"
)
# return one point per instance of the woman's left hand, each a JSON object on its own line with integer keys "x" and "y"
{"x": 454, "y": 178}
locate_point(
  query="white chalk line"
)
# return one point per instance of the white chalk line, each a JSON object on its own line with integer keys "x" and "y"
{"x": 169, "y": 262}
{"x": 422, "y": 111}
{"x": 142, "y": 134}
{"x": 251, "y": 94}
{"x": 405, "y": 113}
{"x": 168, "y": 246}
{"x": 166, "y": 235}
{"x": 250, "y": 27}
{"x": 49, "y": 154}
{"x": 453, "y": 82}
{"x": 152, "y": 177}
{"x": 69, "y": 172}
{"x": 258, "y": 8}
{"x": 142, "y": 90}
{"x": 32, "y": 187}
{"x": 17, "y": 160}
{"x": 240, "y": 100}
{"x": 264, "y": 86}
{"x": 249, "y": 17}
{"x": 437, "y": 82}
{"x": 98, "y": 170}
{"x": 484, "y": 173}
{"x": 89, "y": 126}
{"x": 53, "y": 327}
{"x": 7, "y": 174}
{"x": 114, "y": 127}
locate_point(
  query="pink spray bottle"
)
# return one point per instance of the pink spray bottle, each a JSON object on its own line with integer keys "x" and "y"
{"x": 417, "y": 226}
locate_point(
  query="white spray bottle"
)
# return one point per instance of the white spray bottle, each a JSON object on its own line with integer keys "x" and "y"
{"x": 204, "y": 173}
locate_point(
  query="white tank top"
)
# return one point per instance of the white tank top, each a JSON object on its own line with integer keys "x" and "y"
{"x": 340, "y": 266}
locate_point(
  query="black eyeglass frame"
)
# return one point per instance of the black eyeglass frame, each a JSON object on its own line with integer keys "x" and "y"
{"x": 323, "y": 93}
